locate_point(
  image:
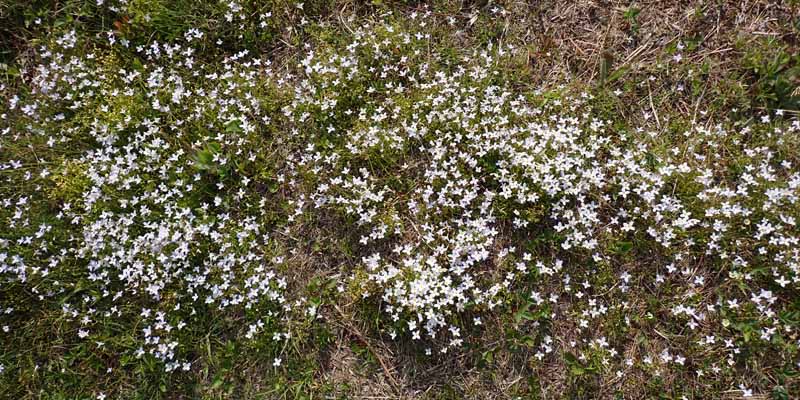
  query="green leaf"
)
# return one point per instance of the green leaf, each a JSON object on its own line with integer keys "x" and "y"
{"x": 137, "y": 64}
{"x": 606, "y": 60}
{"x": 214, "y": 147}
{"x": 488, "y": 356}
{"x": 217, "y": 383}
{"x": 234, "y": 126}
{"x": 203, "y": 160}
{"x": 576, "y": 370}
{"x": 618, "y": 73}
{"x": 524, "y": 314}
{"x": 623, "y": 247}
{"x": 528, "y": 340}
{"x": 575, "y": 367}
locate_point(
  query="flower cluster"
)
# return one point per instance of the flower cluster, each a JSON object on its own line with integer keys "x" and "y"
{"x": 454, "y": 180}
{"x": 181, "y": 179}
{"x": 162, "y": 208}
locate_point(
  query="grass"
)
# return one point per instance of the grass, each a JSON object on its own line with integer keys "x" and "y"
{"x": 660, "y": 66}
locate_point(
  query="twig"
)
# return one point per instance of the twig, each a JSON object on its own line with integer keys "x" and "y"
{"x": 341, "y": 19}
{"x": 652, "y": 107}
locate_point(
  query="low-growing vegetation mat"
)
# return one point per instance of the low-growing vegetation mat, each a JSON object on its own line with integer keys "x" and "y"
{"x": 451, "y": 199}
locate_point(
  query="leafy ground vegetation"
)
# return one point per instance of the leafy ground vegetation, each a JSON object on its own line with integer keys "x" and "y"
{"x": 399, "y": 199}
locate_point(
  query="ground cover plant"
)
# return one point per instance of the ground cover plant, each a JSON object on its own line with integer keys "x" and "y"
{"x": 387, "y": 199}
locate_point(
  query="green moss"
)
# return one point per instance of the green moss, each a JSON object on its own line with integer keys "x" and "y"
{"x": 70, "y": 182}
